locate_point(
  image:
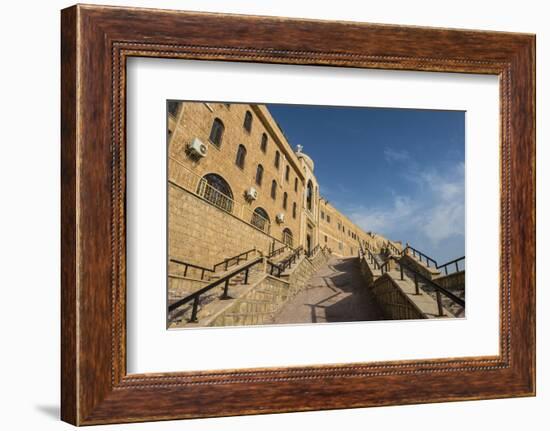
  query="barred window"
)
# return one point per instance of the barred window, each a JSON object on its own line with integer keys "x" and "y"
{"x": 260, "y": 219}
{"x": 285, "y": 200}
{"x": 217, "y": 191}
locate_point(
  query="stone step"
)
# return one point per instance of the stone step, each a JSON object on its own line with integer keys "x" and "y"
{"x": 447, "y": 303}
{"x": 247, "y": 307}
{"x": 269, "y": 295}
{"x": 248, "y": 318}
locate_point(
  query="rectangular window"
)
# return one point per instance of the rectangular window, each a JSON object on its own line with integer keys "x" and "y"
{"x": 326, "y": 238}
{"x": 328, "y": 218}
{"x": 322, "y": 215}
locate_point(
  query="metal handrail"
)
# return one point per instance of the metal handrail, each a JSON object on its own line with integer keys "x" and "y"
{"x": 225, "y": 262}
{"x": 455, "y": 261}
{"x": 278, "y": 251}
{"x": 361, "y": 250}
{"x": 384, "y": 268}
{"x": 274, "y": 269}
{"x": 287, "y": 263}
{"x": 420, "y": 255}
{"x": 393, "y": 248}
{"x": 373, "y": 260}
{"x": 191, "y": 265}
{"x": 439, "y": 290}
{"x": 314, "y": 251}
{"x": 195, "y": 297}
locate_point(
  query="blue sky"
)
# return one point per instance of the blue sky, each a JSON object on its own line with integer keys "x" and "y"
{"x": 398, "y": 172}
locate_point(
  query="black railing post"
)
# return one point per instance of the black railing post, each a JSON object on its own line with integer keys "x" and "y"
{"x": 185, "y": 271}
{"x": 401, "y": 270}
{"x": 194, "y": 310}
{"x": 225, "y": 294}
{"x": 202, "y": 274}
{"x": 439, "y": 304}
{"x": 456, "y": 263}
{"x": 416, "y": 290}
{"x": 226, "y": 263}
{"x": 246, "y": 276}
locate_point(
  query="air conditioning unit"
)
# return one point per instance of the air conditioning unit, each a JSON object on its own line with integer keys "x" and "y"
{"x": 197, "y": 148}
{"x": 280, "y": 218}
{"x": 252, "y": 194}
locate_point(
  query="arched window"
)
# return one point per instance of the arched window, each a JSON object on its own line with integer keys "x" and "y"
{"x": 287, "y": 173}
{"x": 309, "y": 195}
{"x": 263, "y": 144}
{"x": 259, "y": 174}
{"x": 216, "y": 190}
{"x": 241, "y": 156}
{"x": 295, "y": 184}
{"x": 277, "y": 159}
{"x": 247, "y": 121}
{"x": 294, "y": 210}
{"x": 285, "y": 200}
{"x": 274, "y": 189}
{"x": 260, "y": 219}
{"x": 287, "y": 237}
{"x": 216, "y": 132}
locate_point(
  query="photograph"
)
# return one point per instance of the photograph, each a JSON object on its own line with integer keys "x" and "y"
{"x": 304, "y": 214}
{"x": 260, "y": 216}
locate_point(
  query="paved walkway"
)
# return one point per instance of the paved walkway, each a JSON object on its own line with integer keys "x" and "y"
{"x": 336, "y": 293}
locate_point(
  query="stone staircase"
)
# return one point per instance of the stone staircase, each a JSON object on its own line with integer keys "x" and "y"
{"x": 258, "y": 306}
{"x": 256, "y": 302}
{"x": 409, "y": 293}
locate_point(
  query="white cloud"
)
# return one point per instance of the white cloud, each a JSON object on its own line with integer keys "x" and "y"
{"x": 392, "y": 155}
{"x": 434, "y": 216}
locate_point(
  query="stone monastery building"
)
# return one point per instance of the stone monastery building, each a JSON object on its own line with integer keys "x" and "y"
{"x": 264, "y": 192}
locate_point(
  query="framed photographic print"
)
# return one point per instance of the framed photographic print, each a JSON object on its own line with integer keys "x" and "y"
{"x": 270, "y": 215}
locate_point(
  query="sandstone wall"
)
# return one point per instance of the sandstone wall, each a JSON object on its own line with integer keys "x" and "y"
{"x": 452, "y": 282}
{"x": 394, "y": 302}
{"x": 195, "y": 120}
{"x": 203, "y": 234}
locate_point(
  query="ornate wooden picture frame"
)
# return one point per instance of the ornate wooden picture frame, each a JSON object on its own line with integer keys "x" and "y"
{"x": 96, "y": 42}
